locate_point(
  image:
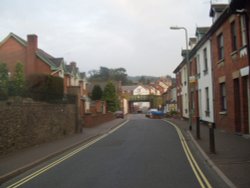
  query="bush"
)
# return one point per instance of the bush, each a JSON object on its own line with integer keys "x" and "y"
{"x": 4, "y": 80}
{"x": 45, "y": 87}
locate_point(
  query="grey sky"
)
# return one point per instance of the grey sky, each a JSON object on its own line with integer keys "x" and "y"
{"x": 133, "y": 34}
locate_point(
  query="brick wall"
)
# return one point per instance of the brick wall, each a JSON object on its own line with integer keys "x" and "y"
{"x": 91, "y": 120}
{"x": 25, "y": 125}
{"x": 225, "y": 71}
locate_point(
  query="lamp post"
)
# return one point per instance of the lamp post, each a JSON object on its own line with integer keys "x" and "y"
{"x": 188, "y": 73}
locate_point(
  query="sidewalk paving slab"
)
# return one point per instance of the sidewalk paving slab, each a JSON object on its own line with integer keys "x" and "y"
{"x": 232, "y": 152}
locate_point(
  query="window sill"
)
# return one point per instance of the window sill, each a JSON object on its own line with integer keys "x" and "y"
{"x": 220, "y": 63}
{"x": 223, "y": 113}
{"x": 234, "y": 53}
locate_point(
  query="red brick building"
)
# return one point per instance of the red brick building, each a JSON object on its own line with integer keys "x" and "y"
{"x": 14, "y": 49}
{"x": 230, "y": 66}
{"x": 229, "y": 40}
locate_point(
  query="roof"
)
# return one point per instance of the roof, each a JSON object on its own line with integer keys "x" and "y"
{"x": 129, "y": 88}
{"x": 50, "y": 60}
{"x": 201, "y": 30}
{"x": 17, "y": 38}
{"x": 217, "y": 8}
{"x": 57, "y": 61}
{"x": 192, "y": 40}
{"x": 184, "y": 52}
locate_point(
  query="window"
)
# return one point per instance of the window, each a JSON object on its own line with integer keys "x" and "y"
{"x": 205, "y": 60}
{"x": 243, "y": 30}
{"x": 198, "y": 64}
{"x": 233, "y": 36}
{"x": 223, "y": 97}
{"x": 207, "y": 101}
{"x": 220, "y": 41}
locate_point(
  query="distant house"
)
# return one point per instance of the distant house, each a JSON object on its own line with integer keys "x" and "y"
{"x": 182, "y": 89}
{"x": 140, "y": 90}
{"x": 201, "y": 77}
{"x": 170, "y": 100}
{"x": 153, "y": 90}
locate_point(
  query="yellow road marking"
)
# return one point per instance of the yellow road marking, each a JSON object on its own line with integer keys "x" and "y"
{"x": 203, "y": 181}
{"x": 51, "y": 165}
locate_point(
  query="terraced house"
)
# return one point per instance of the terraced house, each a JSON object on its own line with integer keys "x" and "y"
{"x": 219, "y": 70}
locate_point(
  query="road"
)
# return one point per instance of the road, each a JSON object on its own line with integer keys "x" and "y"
{"x": 143, "y": 153}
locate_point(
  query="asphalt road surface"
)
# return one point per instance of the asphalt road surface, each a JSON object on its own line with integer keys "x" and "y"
{"x": 143, "y": 153}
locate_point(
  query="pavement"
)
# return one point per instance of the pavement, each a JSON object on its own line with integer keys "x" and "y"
{"x": 231, "y": 160}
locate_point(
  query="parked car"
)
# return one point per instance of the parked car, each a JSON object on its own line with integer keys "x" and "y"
{"x": 154, "y": 113}
{"x": 119, "y": 114}
{"x": 150, "y": 112}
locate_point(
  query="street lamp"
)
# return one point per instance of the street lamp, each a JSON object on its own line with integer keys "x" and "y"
{"x": 188, "y": 73}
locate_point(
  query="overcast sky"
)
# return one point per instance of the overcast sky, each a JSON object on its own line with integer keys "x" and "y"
{"x": 133, "y": 34}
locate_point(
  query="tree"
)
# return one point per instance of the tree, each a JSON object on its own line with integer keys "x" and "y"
{"x": 142, "y": 80}
{"x": 96, "y": 93}
{"x": 17, "y": 85}
{"x": 110, "y": 96}
{"x": 4, "y": 81}
{"x": 119, "y": 74}
{"x": 106, "y": 74}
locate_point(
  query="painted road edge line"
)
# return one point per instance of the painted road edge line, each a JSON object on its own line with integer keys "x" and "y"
{"x": 67, "y": 156}
{"x": 211, "y": 163}
{"x": 195, "y": 167}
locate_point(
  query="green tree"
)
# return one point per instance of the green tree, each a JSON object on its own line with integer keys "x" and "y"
{"x": 106, "y": 74}
{"x": 142, "y": 80}
{"x": 119, "y": 74}
{"x": 17, "y": 85}
{"x": 4, "y": 81}
{"x": 111, "y": 97}
{"x": 96, "y": 93}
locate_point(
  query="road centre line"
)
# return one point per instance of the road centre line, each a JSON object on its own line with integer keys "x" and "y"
{"x": 195, "y": 167}
{"x": 53, "y": 164}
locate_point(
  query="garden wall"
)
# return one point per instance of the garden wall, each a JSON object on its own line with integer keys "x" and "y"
{"x": 25, "y": 125}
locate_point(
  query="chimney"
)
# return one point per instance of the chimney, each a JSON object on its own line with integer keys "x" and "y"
{"x": 32, "y": 41}
{"x": 73, "y": 64}
{"x": 31, "y": 54}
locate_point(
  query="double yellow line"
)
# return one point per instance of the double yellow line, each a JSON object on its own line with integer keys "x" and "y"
{"x": 51, "y": 165}
{"x": 204, "y": 183}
